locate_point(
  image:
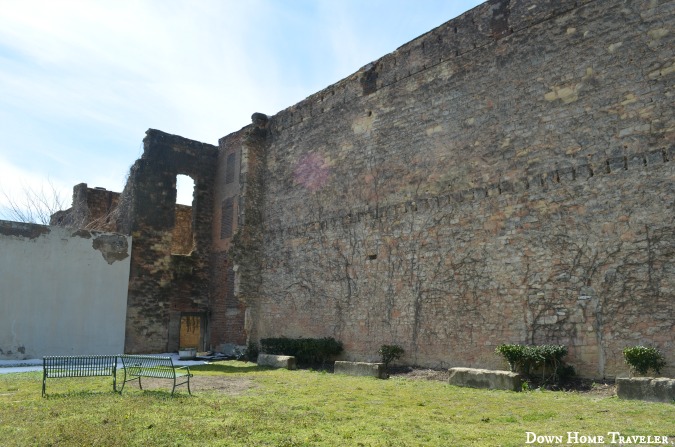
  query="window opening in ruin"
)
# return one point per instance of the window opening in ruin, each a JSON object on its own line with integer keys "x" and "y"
{"x": 185, "y": 188}
{"x": 227, "y": 215}
{"x": 230, "y": 168}
{"x": 183, "y": 233}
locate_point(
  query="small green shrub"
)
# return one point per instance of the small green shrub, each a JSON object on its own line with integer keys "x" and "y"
{"x": 389, "y": 353}
{"x": 307, "y": 351}
{"x": 525, "y": 359}
{"x": 642, "y": 358}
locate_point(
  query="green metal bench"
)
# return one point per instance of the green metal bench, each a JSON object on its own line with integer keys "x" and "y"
{"x": 137, "y": 366}
{"x": 78, "y": 366}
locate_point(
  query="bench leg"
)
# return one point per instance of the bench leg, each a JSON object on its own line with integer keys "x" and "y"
{"x": 182, "y": 383}
{"x": 124, "y": 382}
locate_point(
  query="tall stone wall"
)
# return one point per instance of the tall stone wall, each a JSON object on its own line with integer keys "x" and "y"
{"x": 506, "y": 177}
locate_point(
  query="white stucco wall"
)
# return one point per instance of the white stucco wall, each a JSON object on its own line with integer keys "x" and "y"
{"x": 62, "y": 291}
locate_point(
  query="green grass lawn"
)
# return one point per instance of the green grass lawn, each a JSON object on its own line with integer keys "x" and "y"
{"x": 251, "y": 406}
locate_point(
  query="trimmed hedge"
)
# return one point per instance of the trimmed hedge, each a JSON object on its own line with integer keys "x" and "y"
{"x": 307, "y": 351}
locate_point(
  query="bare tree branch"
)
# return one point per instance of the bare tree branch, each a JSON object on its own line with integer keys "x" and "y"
{"x": 32, "y": 205}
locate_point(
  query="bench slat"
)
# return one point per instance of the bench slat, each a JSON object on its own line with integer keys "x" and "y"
{"x": 78, "y": 366}
{"x": 137, "y": 366}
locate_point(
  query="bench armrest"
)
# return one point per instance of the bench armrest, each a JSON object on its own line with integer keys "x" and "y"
{"x": 187, "y": 368}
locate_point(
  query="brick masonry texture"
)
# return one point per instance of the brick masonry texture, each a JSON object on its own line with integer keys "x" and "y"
{"x": 182, "y": 241}
{"x": 93, "y": 208}
{"x": 505, "y": 178}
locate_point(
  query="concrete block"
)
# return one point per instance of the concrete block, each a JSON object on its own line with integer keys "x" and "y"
{"x": 646, "y": 388}
{"x": 484, "y": 378}
{"x": 277, "y": 361}
{"x": 361, "y": 369}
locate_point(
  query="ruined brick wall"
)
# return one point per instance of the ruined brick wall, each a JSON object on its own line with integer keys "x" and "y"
{"x": 506, "y": 177}
{"x": 101, "y": 203}
{"x": 166, "y": 248}
{"x": 227, "y": 321}
{"x": 163, "y": 285}
{"x": 92, "y": 208}
{"x": 238, "y": 231}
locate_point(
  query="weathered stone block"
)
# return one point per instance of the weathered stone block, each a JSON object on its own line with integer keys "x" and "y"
{"x": 646, "y": 388}
{"x": 361, "y": 369}
{"x": 484, "y": 378}
{"x": 277, "y": 361}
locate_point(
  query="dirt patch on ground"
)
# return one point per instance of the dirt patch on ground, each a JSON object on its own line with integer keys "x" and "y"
{"x": 239, "y": 385}
{"x": 606, "y": 388}
{"x": 224, "y": 384}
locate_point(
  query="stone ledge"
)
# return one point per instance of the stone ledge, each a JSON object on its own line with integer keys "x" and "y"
{"x": 646, "y": 388}
{"x": 485, "y": 378}
{"x": 277, "y": 361}
{"x": 361, "y": 369}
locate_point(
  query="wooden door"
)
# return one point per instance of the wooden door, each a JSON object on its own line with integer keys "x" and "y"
{"x": 190, "y": 331}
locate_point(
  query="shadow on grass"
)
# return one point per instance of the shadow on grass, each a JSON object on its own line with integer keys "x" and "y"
{"x": 79, "y": 393}
{"x": 230, "y": 367}
{"x": 162, "y": 394}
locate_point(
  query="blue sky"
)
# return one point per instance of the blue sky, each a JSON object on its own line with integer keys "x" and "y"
{"x": 81, "y": 81}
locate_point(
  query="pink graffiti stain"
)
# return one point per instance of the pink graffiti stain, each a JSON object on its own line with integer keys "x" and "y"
{"x": 312, "y": 171}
